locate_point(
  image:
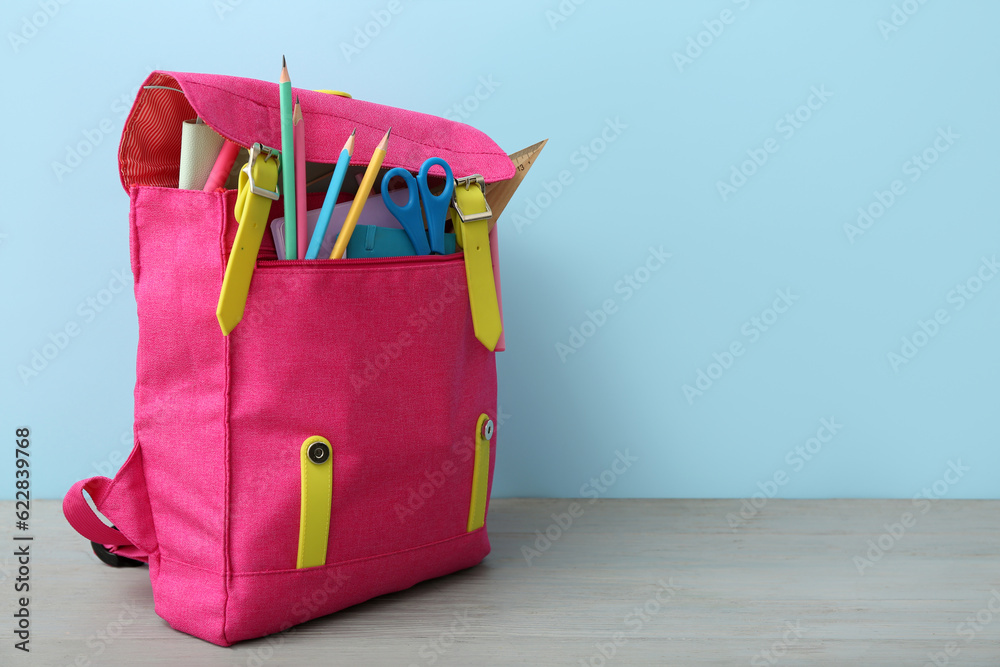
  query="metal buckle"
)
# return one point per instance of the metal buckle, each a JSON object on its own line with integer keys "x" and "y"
{"x": 467, "y": 181}
{"x": 255, "y": 151}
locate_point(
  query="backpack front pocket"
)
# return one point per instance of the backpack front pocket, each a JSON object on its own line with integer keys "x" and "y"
{"x": 377, "y": 356}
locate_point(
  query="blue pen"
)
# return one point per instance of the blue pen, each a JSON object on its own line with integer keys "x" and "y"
{"x": 330, "y": 200}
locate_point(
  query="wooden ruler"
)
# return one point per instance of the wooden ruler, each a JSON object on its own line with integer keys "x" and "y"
{"x": 499, "y": 194}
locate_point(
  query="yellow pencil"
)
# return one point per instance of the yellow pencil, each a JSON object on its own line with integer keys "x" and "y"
{"x": 360, "y": 198}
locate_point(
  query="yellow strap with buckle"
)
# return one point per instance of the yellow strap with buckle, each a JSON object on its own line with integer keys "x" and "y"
{"x": 257, "y": 189}
{"x": 471, "y": 216}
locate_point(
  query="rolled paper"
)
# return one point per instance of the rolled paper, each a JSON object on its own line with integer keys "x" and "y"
{"x": 200, "y": 145}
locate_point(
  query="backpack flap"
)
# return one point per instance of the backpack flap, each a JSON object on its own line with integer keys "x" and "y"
{"x": 247, "y": 111}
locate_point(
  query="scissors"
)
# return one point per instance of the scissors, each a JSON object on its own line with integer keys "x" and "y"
{"x": 435, "y": 207}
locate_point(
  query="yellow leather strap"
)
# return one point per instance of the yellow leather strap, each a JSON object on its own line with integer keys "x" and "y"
{"x": 480, "y": 473}
{"x": 474, "y": 237}
{"x": 316, "y": 461}
{"x": 252, "y": 206}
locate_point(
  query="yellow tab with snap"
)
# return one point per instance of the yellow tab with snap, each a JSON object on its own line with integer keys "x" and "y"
{"x": 480, "y": 473}
{"x": 316, "y": 462}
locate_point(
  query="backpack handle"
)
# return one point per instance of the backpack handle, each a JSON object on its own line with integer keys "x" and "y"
{"x": 84, "y": 520}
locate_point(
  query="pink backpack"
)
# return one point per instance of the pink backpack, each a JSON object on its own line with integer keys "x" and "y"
{"x": 376, "y": 356}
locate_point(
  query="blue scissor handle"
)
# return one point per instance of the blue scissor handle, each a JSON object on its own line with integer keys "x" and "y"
{"x": 436, "y": 206}
{"x": 409, "y": 215}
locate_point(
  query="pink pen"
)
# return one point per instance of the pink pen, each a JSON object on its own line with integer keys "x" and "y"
{"x": 223, "y": 165}
{"x": 299, "y": 132}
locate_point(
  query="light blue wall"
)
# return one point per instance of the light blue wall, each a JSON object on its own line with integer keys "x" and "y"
{"x": 681, "y": 130}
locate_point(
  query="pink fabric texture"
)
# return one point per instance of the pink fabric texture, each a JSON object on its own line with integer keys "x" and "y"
{"x": 378, "y": 356}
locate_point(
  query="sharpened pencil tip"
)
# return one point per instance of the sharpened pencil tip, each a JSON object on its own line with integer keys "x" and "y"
{"x": 283, "y": 60}
{"x": 382, "y": 145}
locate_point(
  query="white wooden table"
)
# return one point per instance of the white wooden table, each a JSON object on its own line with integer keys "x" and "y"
{"x": 649, "y": 582}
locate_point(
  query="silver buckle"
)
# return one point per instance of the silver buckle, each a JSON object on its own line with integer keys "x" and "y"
{"x": 467, "y": 181}
{"x": 255, "y": 151}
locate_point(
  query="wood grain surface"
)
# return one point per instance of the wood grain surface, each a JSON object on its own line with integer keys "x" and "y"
{"x": 648, "y": 582}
